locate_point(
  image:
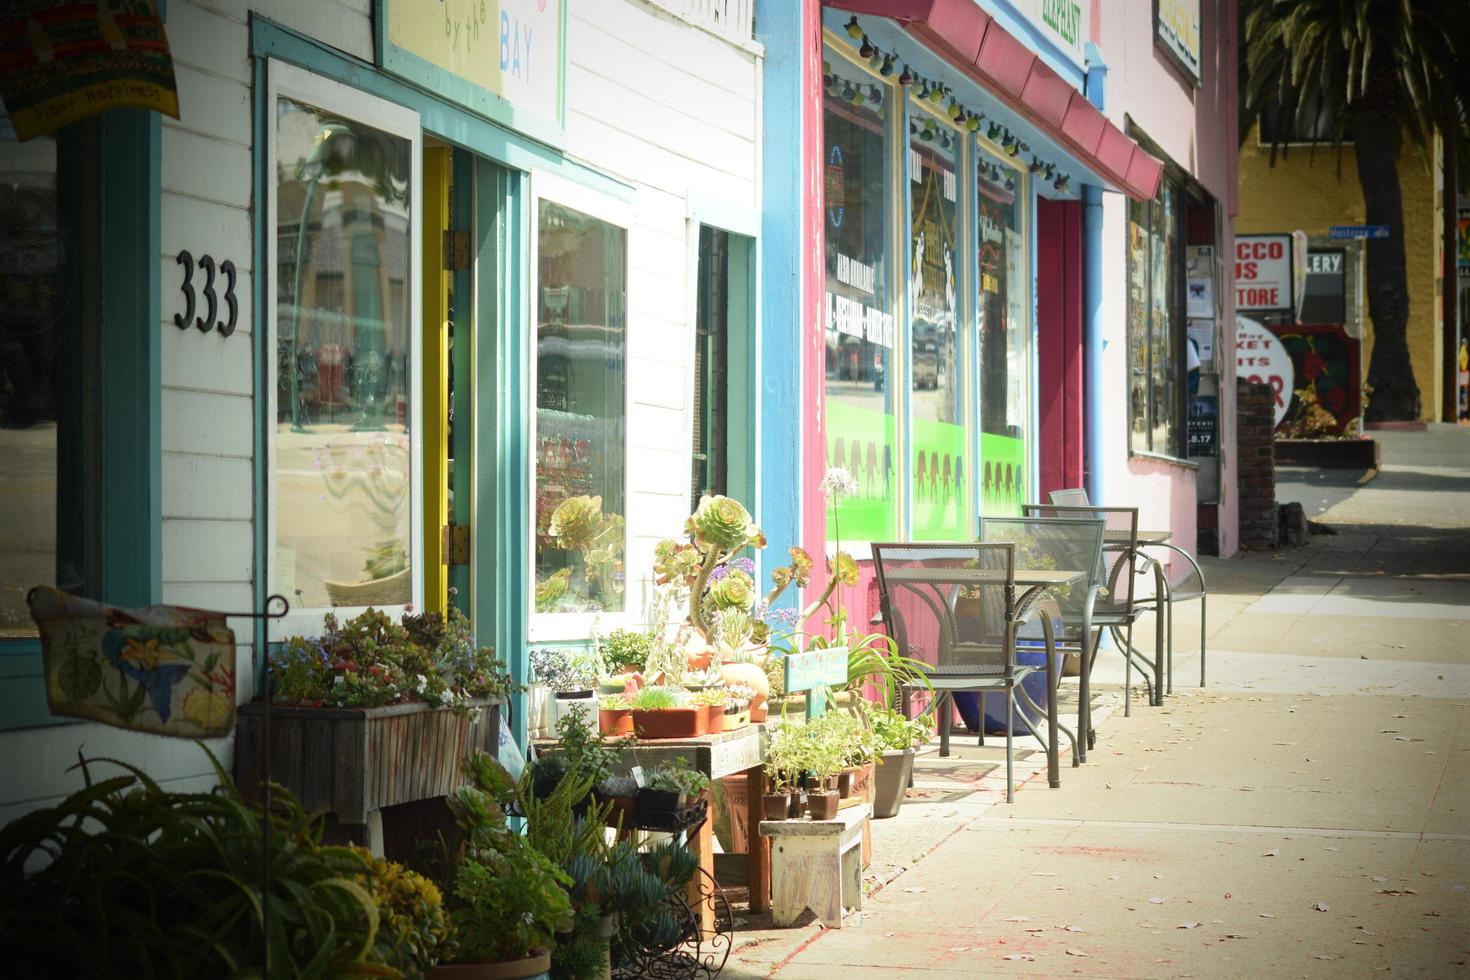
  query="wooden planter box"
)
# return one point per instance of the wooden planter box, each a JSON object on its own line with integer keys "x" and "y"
{"x": 352, "y": 761}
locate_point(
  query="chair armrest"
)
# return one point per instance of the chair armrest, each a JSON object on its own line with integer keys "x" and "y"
{"x": 1192, "y": 586}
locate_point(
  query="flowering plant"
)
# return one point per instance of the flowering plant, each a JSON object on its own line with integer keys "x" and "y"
{"x": 370, "y": 661}
{"x": 414, "y": 932}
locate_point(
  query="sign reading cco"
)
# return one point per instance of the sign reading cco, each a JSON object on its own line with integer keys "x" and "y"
{"x": 1263, "y": 272}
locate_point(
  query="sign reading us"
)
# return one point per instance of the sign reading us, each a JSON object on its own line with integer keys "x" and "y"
{"x": 1263, "y": 272}
{"x": 510, "y": 50}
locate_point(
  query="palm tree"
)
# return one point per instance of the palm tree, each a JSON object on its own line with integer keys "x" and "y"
{"x": 1383, "y": 70}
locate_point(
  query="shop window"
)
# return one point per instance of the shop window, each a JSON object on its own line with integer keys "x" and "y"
{"x": 860, "y": 325}
{"x": 1156, "y": 323}
{"x": 48, "y": 370}
{"x": 711, "y": 367}
{"x": 940, "y": 465}
{"x": 343, "y": 496}
{"x": 1005, "y": 337}
{"x": 581, "y": 400}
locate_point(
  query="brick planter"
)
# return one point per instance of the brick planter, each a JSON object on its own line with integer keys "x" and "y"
{"x": 1328, "y": 454}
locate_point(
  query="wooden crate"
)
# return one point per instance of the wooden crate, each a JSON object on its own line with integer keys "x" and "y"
{"x": 352, "y": 761}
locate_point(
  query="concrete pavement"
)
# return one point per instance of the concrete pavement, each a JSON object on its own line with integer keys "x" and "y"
{"x": 1306, "y": 814}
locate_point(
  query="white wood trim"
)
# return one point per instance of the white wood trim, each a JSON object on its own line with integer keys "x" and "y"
{"x": 556, "y": 627}
{"x": 297, "y": 83}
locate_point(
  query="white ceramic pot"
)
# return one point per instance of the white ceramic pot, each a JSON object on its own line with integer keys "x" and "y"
{"x": 563, "y": 705}
{"x": 538, "y": 709}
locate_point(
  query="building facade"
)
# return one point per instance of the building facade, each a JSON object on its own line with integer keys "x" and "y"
{"x": 401, "y": 279}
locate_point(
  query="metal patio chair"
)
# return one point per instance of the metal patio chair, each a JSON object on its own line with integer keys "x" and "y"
{"x": 1116, "y": 606}
{"x": 954, "y": 607}
{"x": 1060, "y": 542}
{"x": 1191, "y": 586}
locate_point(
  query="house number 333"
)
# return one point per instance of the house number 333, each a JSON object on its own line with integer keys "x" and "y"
{"x": 208, "y": 291}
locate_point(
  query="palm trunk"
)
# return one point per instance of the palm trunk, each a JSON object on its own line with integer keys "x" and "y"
{"x": 1394, "y": 395}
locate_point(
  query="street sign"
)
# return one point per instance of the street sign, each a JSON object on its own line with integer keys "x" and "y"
{"x": 1358, "y": 231}
{"x": 1259, "y": 356}
{"x": 1263, "y": 272}
{"x": 814, "y": 671}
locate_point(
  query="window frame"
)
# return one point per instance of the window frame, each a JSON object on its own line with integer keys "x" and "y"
{"x": 319, "y": 91}
{"x": 560, "y": 627}
{"x": 1175, "y": 451}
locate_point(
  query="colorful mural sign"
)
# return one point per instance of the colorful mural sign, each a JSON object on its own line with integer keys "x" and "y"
{"x": 507, "y": 52}
{"x": 61, "y": 62}
{"x": 161, "y": 669}
{"x": 861, "y": 440}
{"x": 1325, "y": 361}
{"x": 1002, "y": 475}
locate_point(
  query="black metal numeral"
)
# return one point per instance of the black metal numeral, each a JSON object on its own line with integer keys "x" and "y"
{"x": 206, "y": 322}
{"x": 187, "y": 286}
{"x": 227, "y": 327}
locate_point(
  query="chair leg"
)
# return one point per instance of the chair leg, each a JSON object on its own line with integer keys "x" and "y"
{"x": 1202, "y": 599}
{"x": 1128, "y": 673}
{"x": 1010, "y": 722}
{"x": 1159, "y": 616}
{"x": 945, "y": 709}
{"x": 1169, "y": 663}
{"x": 1086, "y": 736}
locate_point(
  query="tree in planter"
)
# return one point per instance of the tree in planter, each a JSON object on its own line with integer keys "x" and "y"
{"x": 1385, "y": 69}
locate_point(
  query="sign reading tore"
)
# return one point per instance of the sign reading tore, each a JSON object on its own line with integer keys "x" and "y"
{"x": 1263, "y": 272}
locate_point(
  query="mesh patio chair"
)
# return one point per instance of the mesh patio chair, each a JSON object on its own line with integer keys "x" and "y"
{"x": 1058, "y": 543}
{"x": 1191, "y": 586}
{"x": 954, "y": 607}
{"x": 1116, "y": 606}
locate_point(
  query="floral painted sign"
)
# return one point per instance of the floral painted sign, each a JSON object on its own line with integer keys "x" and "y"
{"x": 161, "y": 669}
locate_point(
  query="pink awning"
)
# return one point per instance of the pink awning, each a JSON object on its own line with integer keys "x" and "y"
{"x": 974, "y": 43}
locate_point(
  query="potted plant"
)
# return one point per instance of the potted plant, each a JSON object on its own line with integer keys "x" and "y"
{"x": 663, "y": 712}
{"x": 713, "y": 701}
{"x": 614, "y": 715}
{"x": 787, "y": 754}
{"x": 737, "y": 710}
{"x": 626, "y": 651}
{"x": 621, "y": 792}
{"x": 669, "y": 788}
{"x": 414, "y": 930}
{"x": 343, "y": 702}
{"x": 824, "y": 758}
{"x": 896, "y": 737}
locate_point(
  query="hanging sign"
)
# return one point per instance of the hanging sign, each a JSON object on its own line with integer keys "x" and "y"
{"x": 1260, "y": 357}
{"x": 1263, "y": 272}
{"x": 504, "y": 58}
{"x": 162, "y": 669}
{"x": 814, "y": 671}
{"x": 1176, "y": 30}
{"x": 61, "y": 62}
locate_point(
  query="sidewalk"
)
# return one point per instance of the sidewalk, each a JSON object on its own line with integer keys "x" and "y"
{"x": 1306, "y": 814}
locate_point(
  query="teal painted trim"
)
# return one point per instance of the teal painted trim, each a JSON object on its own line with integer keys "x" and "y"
{"x": 440, "y": 117}
{"x": 130, "y": 448}
{"x": 741, "y": 407}
{"x": 462, "y": 367}
{"x": 23, "y": 687}
{"x": 264, "y": 359}
{"x": 971, "y": 263}
{"x": 502, "y": 422}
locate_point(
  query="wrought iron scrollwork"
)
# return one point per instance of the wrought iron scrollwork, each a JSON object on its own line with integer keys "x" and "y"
{"x": 694, "y": 953}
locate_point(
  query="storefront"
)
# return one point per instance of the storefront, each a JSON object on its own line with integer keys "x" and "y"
{"x": 460, "y": 250}
{"x": 953, "y": 148}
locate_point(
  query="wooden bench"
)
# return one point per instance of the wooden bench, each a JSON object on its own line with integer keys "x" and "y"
{"x": 816, "y": 864}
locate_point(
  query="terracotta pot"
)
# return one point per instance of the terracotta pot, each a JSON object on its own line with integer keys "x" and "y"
{"x": 754, "y": 678}
{"x": 534, "y": 966}
{"x": 669, "y": 723}
{"x": 737, "y": 721}
{"x": 714, "y": 719}
{"x": 776, "y": 806}
{"x": 862, "y": 781}
{"x": 615, "y": 721}
{"x": 823, "y": 805}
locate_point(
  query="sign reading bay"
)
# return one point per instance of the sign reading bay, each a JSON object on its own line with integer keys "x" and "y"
{"x": 504, "y": 58}
{"x": 813, "y": 672}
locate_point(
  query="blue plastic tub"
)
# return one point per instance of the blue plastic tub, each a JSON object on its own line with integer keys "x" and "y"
{"x": 968, "y": 702}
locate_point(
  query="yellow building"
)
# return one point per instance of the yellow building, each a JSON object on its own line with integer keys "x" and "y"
{"x": 1311, "y": 188}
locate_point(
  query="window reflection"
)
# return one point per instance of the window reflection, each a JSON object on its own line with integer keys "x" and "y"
{"x": 1005, "y": 338}
{"x": 860, "y": 326}
{"x": 940, "y": 465}
{"x": 581, "y": 358}
{"x": 342, "y": 455}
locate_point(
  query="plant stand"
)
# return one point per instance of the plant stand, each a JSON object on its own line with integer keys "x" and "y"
{"x": 816, "y": 864}
{"x": 354, "y": 762}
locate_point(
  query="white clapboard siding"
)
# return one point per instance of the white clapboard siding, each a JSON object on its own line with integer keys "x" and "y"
{"x": 650, "y": 427}
{"x": 200, "y": 487}
{"x": 210, "y": 424}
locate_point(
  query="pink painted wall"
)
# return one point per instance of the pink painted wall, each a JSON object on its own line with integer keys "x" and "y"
{"x": 813, "y": 305}
{"x": 1196, "y": 127}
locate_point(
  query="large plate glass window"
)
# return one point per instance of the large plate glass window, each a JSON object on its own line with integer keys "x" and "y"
{"x": 344, "y": 468}
{"x": 1156, "y": 323}
{"x": 48, "y": 369}
{"x": 938, "y": 435}
{"x": 861, "y": 331}
{"x": 1005, "y": 337}
{"x": 581, "y": 308}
